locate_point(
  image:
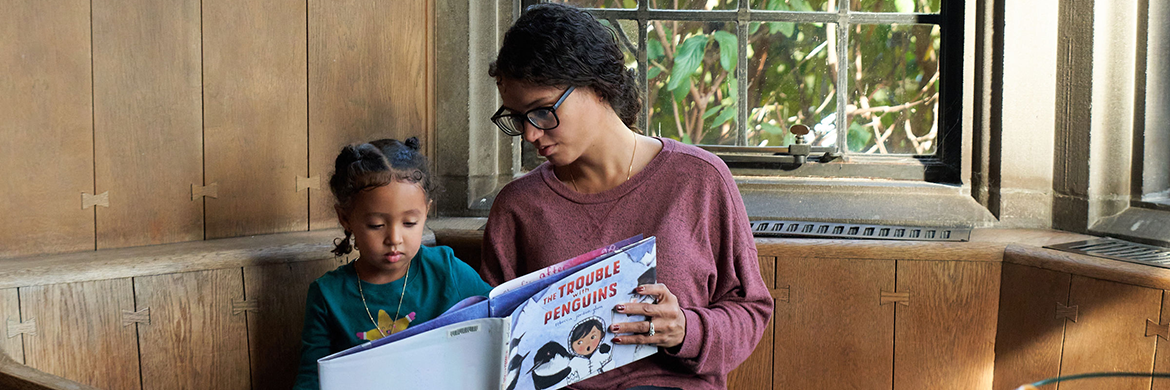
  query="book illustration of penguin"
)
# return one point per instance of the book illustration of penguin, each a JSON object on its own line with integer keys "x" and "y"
{"x": 514, "y": 370}
{"x": 514, "y": 366}
{"x": 550, "y": 366}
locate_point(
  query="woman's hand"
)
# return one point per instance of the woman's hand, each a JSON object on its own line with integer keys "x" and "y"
{"x": 670, "y": 326}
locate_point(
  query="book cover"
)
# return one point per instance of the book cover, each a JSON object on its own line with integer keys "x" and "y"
{"x": 546, "y": 330}
{"x": 560, "y": 336}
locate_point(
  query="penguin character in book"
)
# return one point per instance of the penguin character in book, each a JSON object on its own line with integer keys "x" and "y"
{"x": 514, "y": 365}
{"x": 550, "y": 366}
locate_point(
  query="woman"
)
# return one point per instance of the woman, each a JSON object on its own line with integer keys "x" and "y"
{"x": 566, "y": 90}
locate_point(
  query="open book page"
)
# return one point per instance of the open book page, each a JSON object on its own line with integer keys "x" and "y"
{"x": 466, "y": 355}
{"x": 559, "y": 334}
{"x": 560, "y": 267}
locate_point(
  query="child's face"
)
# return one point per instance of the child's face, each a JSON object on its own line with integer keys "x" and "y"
{"x": 387, "y": 224}
{"x": 586, "y": 345}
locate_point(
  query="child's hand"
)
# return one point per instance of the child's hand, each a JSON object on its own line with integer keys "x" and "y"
{"x": 669, "y": 323}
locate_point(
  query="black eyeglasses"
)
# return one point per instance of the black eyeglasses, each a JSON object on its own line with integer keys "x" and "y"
{"x": 544, "y": 118}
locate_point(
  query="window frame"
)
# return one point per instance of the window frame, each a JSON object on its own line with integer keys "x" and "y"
{"x": 945, "y": 166}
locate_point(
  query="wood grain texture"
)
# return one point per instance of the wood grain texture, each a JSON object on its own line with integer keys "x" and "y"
{"x": 1162, "y": 351}
{"x": 255, "y": 116}
{"x": 1028, "y": 335}
{"x": 193, "y": 340}
{"x": 148, "y": 132}
{"x": 47, "y": 127}
{"x": 280, "y": 291}
{"x": 170, "y": 258}
{"x": 756, "y": 372}
{"x": 367, "y": 80}
{"x": 880, "y": 250}
{"x": 945, "y": 338}
{"x": 832, "y": 333}
{"x": 1090, "y": 266}
{"x": 1109, "y": 334}
{"x": 79, "y": 333}
{"x": 16, "y": 376}
{"x": 11, "y": 345}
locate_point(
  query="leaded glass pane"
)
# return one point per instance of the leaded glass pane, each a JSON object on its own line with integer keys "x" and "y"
{"x": 691, "y": 72}
{"x": 792, "y": 79}
{"x": 893, "y": 102}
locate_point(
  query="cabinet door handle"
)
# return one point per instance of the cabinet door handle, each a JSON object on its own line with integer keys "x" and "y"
{"x": 1066, "y": 312}
{"x": 1156, "y": 329}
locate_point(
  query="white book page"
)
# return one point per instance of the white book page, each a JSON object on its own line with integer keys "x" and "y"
{"x": 466, "y": 355}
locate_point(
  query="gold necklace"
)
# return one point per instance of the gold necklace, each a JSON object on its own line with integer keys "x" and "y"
{"x": 400, "y": 298}
{"x": 629, "y": 171}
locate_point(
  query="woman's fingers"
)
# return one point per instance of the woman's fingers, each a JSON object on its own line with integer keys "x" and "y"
{"x": 667, "y": 317}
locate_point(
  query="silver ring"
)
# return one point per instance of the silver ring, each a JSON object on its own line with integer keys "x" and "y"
{"x": 651, "y": 332}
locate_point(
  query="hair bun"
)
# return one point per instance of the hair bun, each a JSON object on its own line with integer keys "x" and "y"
{"x": 412, "y": 143}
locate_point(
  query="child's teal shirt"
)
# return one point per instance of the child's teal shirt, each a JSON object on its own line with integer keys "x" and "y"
{"x": 336, "y": 319}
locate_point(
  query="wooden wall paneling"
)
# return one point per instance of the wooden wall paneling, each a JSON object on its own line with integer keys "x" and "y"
{"x": 47, "y": 127}
{"x": 833, "y": 332}
{"x": 1162, "y": 352}
{"x": 255, "y": 116}
{"x": 1109, "y": 333}
{"x": 148, "y": 132}
{"x": 194, "y": 340}
{"x": 275, "y": 327}
{"x": 79, "y": 333}
{"x": 16, "y": 376}
{"x": 945, "y": 336}
{"x": 756, "y": 372}
{"x": 11, "y": 345}
{"x": 1029, "y": 334}
{"x": 367, "y": 80}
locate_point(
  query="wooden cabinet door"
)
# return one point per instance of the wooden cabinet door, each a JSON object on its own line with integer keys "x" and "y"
{"x": 1162, "y": 355}
{"x": 1030, "y": 332}
{"x": 195, "y": 339}
{"x": 10, "y": 344}
{"x": 80, "y": 334}
{"x": 756, "y": 372}
{"x": 1109, "y": 333}
{"x": 832, "y": 331}
{"x": 275, "y": 327}
{"x": 945, "y": 337}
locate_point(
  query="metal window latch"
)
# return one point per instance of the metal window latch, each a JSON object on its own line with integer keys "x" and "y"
{"x": 797, "y": 153}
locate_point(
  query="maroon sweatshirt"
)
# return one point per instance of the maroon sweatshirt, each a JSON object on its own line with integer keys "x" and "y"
{"x": 706, "y": 255}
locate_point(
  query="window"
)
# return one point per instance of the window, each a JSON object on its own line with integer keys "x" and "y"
{"x": 898, "y": 60}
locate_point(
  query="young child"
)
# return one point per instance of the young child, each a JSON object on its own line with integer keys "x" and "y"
{"x": 383, "y": 193}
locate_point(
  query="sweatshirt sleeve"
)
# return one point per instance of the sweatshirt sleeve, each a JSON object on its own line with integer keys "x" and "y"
{"x": 314, "y": 339}
{"x": 721, "y": 335}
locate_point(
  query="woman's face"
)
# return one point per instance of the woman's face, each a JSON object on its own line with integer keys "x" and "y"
{"x": 565, "y": 143}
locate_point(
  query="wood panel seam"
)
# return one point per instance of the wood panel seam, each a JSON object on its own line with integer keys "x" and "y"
{"x": 89, "y": 200}
{"x": 16, "y": 328}
{"x": 210, "y": 191}
{"x": 244, "y": 305}
{"x": 130, "y": 317}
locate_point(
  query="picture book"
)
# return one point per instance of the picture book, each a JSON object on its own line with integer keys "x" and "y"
{"x": 543, "y": 330}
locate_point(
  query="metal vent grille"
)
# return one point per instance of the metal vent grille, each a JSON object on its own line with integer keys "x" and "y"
{"x": 1115, "y": 249}
{"x": 847, "y": 230}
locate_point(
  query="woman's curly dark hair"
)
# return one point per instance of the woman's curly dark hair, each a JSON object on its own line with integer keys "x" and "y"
{"x": 363, "y": 166}
{"x": 560, "y": 45}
